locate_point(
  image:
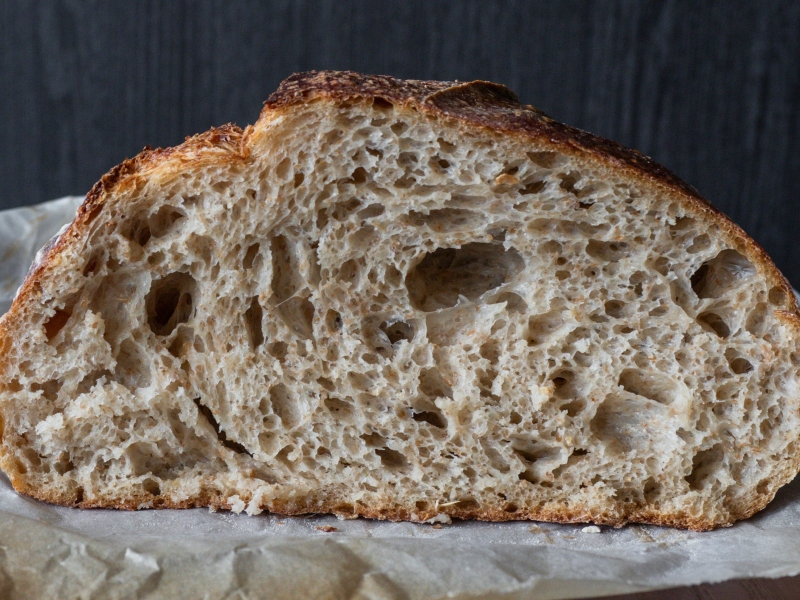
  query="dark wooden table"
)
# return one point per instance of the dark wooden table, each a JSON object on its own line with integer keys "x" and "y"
{"x": 709, "y": 89}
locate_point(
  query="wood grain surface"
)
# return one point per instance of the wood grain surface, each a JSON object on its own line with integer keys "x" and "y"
{"x": 710, "y": 89}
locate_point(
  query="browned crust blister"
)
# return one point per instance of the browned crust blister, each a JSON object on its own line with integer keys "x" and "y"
{"x": 476, "y": 105}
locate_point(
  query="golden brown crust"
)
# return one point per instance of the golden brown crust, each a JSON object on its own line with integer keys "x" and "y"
{"x": 392, "y": 511}
{"x": 476, "y": 104}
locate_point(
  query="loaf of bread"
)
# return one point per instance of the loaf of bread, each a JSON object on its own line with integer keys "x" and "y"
{"x": 403, "y": 300}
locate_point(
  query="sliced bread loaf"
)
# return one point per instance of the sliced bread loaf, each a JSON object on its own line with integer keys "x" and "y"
{"x": 403, "y": 300}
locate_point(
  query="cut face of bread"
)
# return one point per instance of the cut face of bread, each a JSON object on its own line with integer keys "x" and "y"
{"x": 403, "y": 300}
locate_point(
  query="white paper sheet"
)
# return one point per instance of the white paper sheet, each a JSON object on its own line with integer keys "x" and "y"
{"x": 55, "y": 552}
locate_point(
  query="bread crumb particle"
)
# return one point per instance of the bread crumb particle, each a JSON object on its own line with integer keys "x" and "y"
{"x": 591, "y": 529}
{"x": 327, "y": 528}
{"x": 237, "y": 504}
{"x": 440, "y": 518}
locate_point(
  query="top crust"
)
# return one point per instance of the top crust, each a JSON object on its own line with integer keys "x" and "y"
{"x": 477, "y": 104}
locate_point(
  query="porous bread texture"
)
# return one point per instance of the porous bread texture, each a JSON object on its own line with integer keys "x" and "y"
{"x": 366, "y": 309}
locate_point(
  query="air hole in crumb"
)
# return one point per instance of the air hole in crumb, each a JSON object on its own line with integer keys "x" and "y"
{"x": 615, "y": 308}
{"x": 405, "y": 182}
{"x": 136, "y": 230}
{"x": 550, "y": 247}
{"x": 573, "y": 408}
{"x": 397, "y": 331}
{"x": 170, "y": 302}
{"x": 133, "y": 363}
{"x": 546, "y": 159}
{"x": 163, "y": 221}
{"x": 333, "y": 321}
{"x": 726, "y": 270}
{"x": 700, "y": 243}
{"x": 533, "y": 187}
{"x": 371, "y": 211}
{"x": 514, "y": 303}
{"x": 348, "y": 272}
{"x": 757, "y": 320}
{"x": 64, "y": 464}
{"x": 398, "y": 127}
{"x": 446, "y": 219}
{"x": 341, "y": 408}
{"x": 95, "y": 260}
{"x": 151, "y": 487}
{"x": 777, "y": 296}
{"x": 445, "y": 146}
{"x": 515, "y": 418}
{"x": 652, "y": 489}
{"x": 284, "y": 405}
{"x": 433, "y": 385}
{"x": 434, "y": 418}
{"x": 250, "y": 256}
{"x": 662, "y": 265}
{"x": 56, "y": 323}
{"x": 221, "y": 436}
{"x": 648, "y": 384}
{"x": 299, "y": 177}
{"x": 253, "y": 323}
{"x": 279, "y": 350}
{"x": 391, "y": 459}
{"x": 359, "y": 176}
{"x": 608, "y": 251}
{"x": 298, "y": 315}
{"x": 568, "y": 181}
{"x": 443, "y": 275}
{"x": 704, "y": 464}
{"x": 711, "y": 321}
{"x": 545, "y": 326}
{"x": 285, "y": 274}
{"x": 738, "y": 364}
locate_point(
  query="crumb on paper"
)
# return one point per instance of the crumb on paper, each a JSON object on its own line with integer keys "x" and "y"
{"x": 346, "y": 516}
{"x": 591, "y": 529}
{"x": 212, "y": 509}
{"x": 327, "y": 528}
{"x": 440, "y": 518}
{"x": 436, "y": 526}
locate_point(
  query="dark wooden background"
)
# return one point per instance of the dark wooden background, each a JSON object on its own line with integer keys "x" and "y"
{"x": 711, "y": 89}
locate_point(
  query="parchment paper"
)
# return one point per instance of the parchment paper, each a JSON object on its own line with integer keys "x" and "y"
{"x": 55, "y": 552}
